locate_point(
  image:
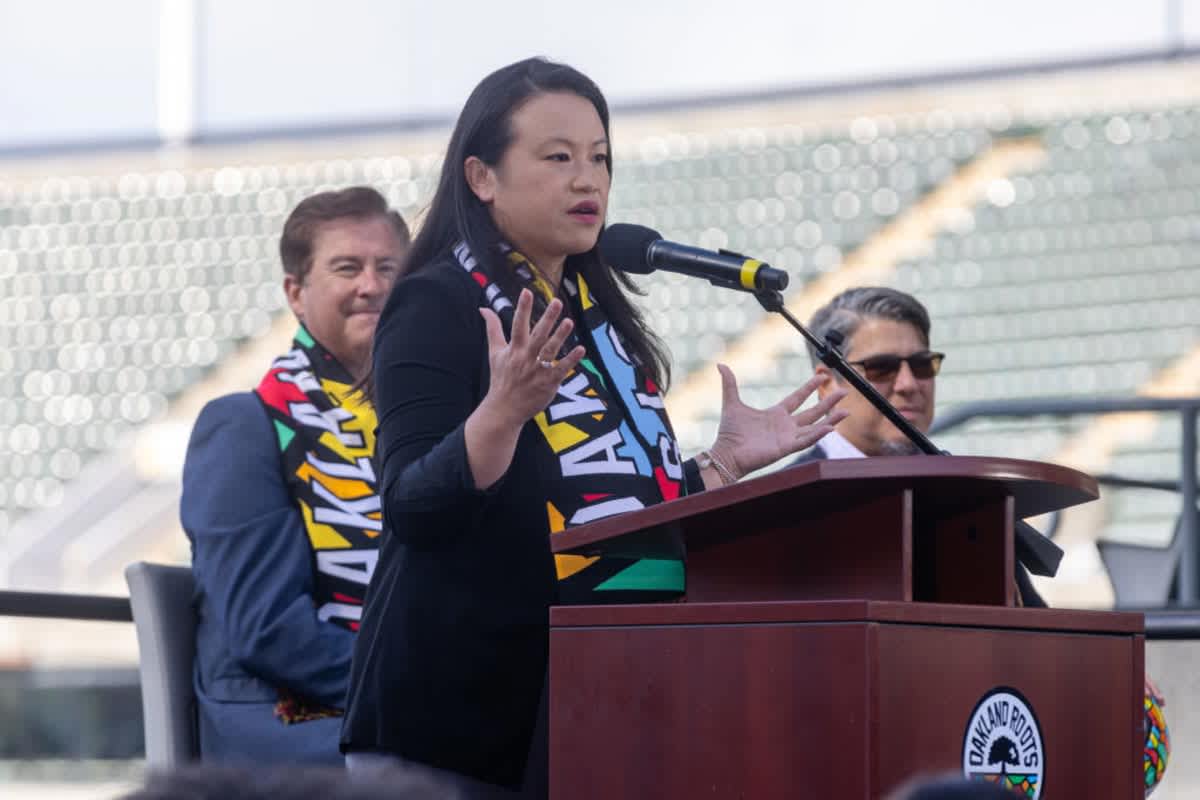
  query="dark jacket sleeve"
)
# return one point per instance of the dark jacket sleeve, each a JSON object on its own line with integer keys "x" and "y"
{"x": 430, "y": 365}
{"x": 251, "y": 557}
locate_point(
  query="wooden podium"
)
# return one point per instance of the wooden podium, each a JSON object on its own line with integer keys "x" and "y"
{"x": 848, "y": 625}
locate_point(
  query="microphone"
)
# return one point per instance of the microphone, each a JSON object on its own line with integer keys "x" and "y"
{"x": 637, "y": 249}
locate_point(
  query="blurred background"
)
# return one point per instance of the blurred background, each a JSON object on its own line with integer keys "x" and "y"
{"x": 1029, "y": 170}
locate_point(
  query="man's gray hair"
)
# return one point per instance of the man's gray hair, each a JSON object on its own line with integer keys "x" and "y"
{"x": 846, "y": 312}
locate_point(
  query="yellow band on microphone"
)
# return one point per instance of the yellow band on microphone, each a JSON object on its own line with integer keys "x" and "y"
{"x": 749, "y": 270}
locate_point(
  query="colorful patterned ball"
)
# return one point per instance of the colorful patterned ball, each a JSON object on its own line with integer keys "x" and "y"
{"x": 1157, "y": 749}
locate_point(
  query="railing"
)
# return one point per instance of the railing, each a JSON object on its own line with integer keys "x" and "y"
{"x": 1186, "y": 407}
{"x": 1168, "y": 625}
{"x": 1160, "y": 624}
{"x": 55, "y": 605}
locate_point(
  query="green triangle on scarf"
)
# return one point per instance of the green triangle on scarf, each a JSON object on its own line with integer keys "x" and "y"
{"x": 294, "y": 398}
{"x": 590, "y": 367}
{"x": 284, "y": 433}
{"x": 651, "y": 574}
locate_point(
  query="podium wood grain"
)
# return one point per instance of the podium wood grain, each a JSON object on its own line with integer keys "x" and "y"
{"x": 842, "y": 620}
{"x": 840, "y": 699}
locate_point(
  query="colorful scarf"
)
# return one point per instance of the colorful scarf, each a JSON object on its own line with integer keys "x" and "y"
{"x": 326, "y": 435}
{"x": 610, "y": 447}
{"x": 1156, "y": 750}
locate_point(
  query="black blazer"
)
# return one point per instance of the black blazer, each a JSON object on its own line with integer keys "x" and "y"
{"x": 1029, "y": 595}
{"x": 452, "y": 650}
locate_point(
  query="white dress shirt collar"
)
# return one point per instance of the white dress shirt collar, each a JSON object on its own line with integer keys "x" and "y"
{"x": 837, "y": 446}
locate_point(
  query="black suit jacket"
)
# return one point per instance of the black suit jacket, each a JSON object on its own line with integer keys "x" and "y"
{"x": 1029, "y": 595}
{"x": 452, "y": 650}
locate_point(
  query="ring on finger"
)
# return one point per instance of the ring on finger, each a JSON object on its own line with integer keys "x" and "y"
{"x": 548, "y": 363}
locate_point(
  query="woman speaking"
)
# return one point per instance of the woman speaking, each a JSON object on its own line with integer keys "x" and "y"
{"x": 519, "y": 392}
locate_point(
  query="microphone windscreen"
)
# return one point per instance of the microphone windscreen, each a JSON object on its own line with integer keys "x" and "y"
{"x": 623, "y": 246}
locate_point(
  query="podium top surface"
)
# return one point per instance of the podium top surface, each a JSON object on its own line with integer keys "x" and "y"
{"x": 850, "y": 611}
{"x": 936, "y": 481}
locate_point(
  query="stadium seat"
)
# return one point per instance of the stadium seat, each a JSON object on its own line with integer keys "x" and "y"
{"x": 1143, "y": 576}
{"x": 165, "y": 619}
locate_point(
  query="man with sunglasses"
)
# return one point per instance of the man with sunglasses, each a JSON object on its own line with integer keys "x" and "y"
{"x": 886, "y": 337}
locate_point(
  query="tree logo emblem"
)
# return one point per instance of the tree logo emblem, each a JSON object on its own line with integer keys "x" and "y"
{"x": 1003, "y": 743}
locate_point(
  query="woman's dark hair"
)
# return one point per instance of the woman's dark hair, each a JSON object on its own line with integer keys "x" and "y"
{"x": 484, "y": 130}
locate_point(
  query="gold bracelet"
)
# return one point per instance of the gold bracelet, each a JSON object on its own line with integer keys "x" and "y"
{"x": 706, "y": 459}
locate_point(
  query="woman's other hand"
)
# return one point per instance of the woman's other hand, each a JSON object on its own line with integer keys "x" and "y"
{"x": 751, "y": 438}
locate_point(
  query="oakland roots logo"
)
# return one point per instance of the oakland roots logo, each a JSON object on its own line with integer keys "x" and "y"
{"x": 1003, "y": 743}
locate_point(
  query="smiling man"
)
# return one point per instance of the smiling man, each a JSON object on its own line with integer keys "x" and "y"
{"x": 279, "y": 499}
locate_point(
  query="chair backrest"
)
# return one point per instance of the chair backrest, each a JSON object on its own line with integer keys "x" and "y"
{"x": 1144, "y": 576}
{"x": 165, "y": 618}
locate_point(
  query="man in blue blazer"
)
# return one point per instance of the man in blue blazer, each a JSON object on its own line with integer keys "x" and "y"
{"x": 279, "y": 499}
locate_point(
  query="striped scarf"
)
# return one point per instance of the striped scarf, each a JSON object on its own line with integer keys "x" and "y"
{"x": 326, "y": 436}
{"x": 609, "y": 444}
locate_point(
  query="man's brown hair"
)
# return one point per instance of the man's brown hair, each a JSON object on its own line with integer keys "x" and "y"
{"x": 300, "y": 230}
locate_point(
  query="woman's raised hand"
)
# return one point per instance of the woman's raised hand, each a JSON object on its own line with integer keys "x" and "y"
{"x": 526, "y": 374}
{"x": 526, "y": 370}
{"x": 751, "y": 438}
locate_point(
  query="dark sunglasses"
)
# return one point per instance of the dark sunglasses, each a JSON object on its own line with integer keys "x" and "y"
{"x": 882, "y": 368}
